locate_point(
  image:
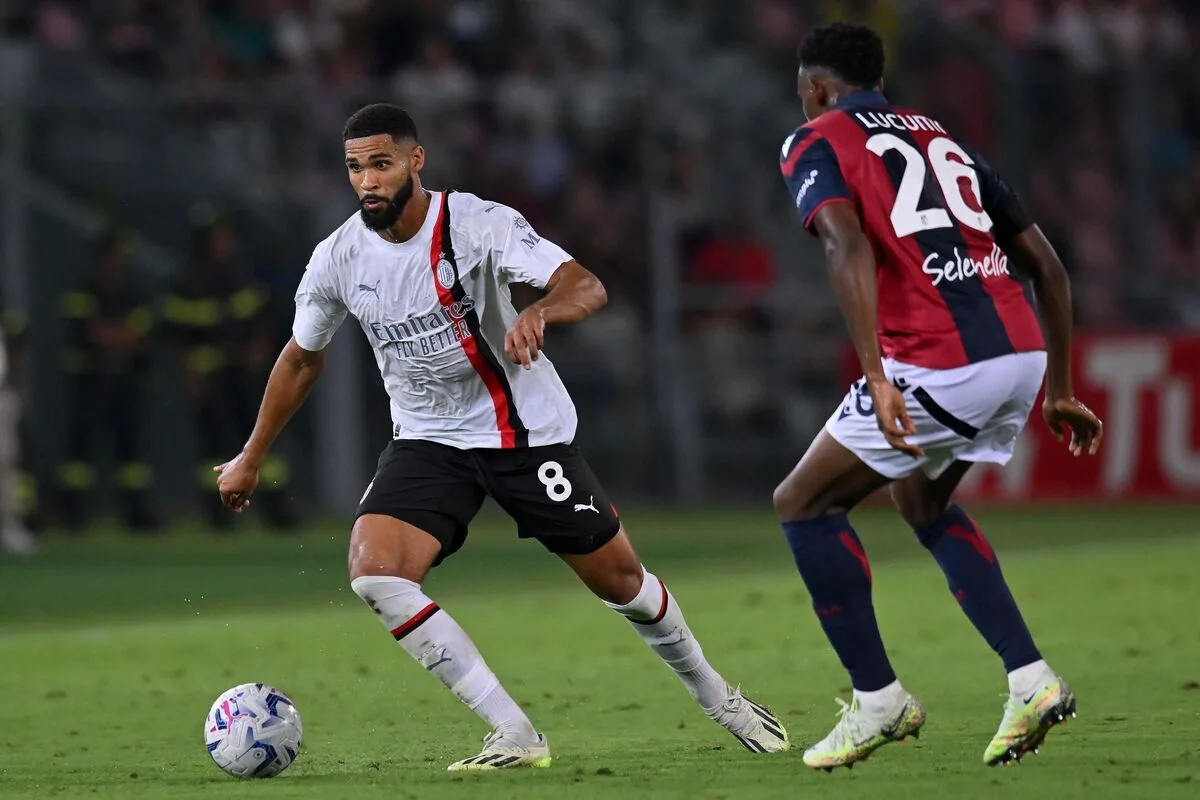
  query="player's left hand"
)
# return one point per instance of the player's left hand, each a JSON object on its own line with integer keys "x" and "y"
{"x": 892, "y": 414}
{"x": 524, "y": 341}
{"x": 1086, "y": 428}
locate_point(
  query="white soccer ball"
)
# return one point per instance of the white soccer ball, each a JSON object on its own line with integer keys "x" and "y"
{"x": 253, "y": 731}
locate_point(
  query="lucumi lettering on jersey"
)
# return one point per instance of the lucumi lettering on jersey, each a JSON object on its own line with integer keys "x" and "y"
{"x": 436, "y": 322}
{"x": 871, "y": 120}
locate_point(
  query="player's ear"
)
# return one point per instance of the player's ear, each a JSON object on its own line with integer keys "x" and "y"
{"x": 417, "y": 159}
{"x": 819, "y": 93}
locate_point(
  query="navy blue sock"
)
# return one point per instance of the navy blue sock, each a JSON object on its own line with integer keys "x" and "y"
{"x": 834, "y": 566}
{"x": 973, "y": 572}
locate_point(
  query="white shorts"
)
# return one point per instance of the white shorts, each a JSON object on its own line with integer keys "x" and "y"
{"x": 971, "y": 413}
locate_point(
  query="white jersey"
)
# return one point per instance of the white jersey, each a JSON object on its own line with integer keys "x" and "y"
{"x": 435, "y": 310}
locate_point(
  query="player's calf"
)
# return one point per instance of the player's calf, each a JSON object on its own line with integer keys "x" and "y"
{"x": 975, "y": 579}
{"x": 657, "y": 618}
{"x": 1038, "y": 698}
{"x": 812, "y": 503}
{"x": 616, "y": 575}
{"x": 973, "y": 574}
{"x": 439, "y": 644}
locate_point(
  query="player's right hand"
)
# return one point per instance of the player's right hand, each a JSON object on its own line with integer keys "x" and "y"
{"x": 1086, "y": 428}
{"x": 236, "y": 481}
{"x": 892, "y": 416}
{"x": 526, "y": 338}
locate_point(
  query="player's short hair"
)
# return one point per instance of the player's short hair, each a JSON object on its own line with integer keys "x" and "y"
{"x": 852, "y": 50}
{"x": 380, "y": 118}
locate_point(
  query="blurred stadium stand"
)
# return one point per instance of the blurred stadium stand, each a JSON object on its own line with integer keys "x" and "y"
{"x": 642, "y": 136}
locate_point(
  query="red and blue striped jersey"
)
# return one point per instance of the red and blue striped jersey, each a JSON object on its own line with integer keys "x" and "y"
{"x": 934, "y": 212}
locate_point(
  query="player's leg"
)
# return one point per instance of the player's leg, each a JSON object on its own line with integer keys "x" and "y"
{"x": 1038, "y": 698}
{"x": 971, "y": 567}
{"x": 812, "y": 504}
{"x": 554, "y": 497}
{"x": 412, "y": 516}
{"x": 616, "y": 575}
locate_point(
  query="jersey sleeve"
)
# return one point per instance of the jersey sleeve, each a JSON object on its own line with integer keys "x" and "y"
{"x": 319, "y": 307}
{"x": 518, "y": 252}
{"x": 812, "y": 174}
{"x": 1000, "y": 201}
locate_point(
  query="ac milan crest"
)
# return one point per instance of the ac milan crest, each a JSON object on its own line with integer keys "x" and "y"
{"x": 445, "y": 273}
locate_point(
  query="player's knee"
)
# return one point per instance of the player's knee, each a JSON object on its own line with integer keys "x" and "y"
{"x": 916, "y": 508}
{"x": 623, "y": 576}
{"x": 784, "y": 500}
{"x": 620, "y": 585}
{"x": 382, "y": 545}
{"x": 792, "y": 502}
{"x": 612, "y": 572}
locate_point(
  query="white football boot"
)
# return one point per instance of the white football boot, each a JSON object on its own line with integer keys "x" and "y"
{"x": 857, "y": 734}
{"x": 753, "y": 725}
{"x": 505, "y": 749}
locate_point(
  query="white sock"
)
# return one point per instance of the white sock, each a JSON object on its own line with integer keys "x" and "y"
{"x": 1028, "y": 679}
{"x": 881, "y": 702}
{"x": 436, "y": 641}
{"x": 656, "y": 616}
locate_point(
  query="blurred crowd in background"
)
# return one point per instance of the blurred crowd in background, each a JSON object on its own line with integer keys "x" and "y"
{"x": 606, "y": 123}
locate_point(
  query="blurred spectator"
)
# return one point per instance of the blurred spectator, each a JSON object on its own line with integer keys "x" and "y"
{"x": 15, "y": 539}
{"x": 436, "y": 83}
{"x": 735, "y": 260}
{"x": 734, "y": 271}
{"x": 220, "y": 324}
{"x": 107, "y": 363}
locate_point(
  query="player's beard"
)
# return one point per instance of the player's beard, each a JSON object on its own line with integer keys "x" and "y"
{"x": 392, "y": 208}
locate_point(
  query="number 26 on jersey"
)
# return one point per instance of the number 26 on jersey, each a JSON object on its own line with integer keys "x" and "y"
{"x": 907, "y": 217}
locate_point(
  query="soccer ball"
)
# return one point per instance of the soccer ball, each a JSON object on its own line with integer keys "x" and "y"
{"x": 253, "y": 731}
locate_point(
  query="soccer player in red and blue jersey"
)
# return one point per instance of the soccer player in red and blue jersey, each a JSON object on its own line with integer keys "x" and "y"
{"x": 932, "y": 258}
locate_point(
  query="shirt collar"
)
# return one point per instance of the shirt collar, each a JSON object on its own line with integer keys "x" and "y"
{"x": 862, "y": 99}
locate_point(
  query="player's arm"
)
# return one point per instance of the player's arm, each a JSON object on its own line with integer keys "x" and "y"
{"x": 520, "y": 255}
{"x": 292, "y": 378}
{"x": 1032, "y": 254}
{"x": 573, "y": 294}
{"x": 851, "y": 266}
{"x": 319, "y": 313}
{"x": 829, "y": 211}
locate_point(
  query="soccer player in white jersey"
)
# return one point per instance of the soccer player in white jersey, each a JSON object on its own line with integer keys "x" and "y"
{"x": 477, "y": 410}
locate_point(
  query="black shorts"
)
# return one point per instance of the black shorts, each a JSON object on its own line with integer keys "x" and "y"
{"x": 550, "y": 492}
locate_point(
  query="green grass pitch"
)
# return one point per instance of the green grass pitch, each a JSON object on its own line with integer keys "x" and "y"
{"x": 112, "y": 649}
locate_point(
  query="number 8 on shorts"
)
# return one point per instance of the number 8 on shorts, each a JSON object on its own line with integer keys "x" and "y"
{"x": 558, "y": 488}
